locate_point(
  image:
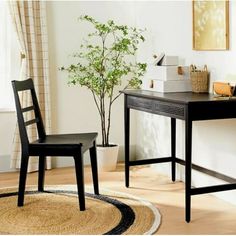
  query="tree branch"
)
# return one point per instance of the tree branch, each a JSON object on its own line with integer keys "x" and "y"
{"x": 109, "y": 116}
{"x": 102, "y": 121}
{"x": 119, "y": 94}
{"x": 96, "y": 102}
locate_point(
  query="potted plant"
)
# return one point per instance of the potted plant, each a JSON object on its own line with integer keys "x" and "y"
{"x": 105, "y": 60}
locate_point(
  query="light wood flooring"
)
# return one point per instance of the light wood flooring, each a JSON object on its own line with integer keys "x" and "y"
{"x": 209, "y": 214}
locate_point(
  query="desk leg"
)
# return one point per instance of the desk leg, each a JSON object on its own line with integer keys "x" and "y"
{"x": 188, "y": 168}
{"x": 173, "y": 147}
{"x": 127, "y": 141}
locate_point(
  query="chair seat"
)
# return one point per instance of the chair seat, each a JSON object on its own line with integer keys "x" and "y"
{"x": 62, "y": 144}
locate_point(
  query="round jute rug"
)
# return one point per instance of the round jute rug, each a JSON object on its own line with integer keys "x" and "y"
{"x": 56, "y": 211}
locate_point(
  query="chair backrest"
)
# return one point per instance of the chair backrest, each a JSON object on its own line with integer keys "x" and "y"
{"x": 21, "y": 86}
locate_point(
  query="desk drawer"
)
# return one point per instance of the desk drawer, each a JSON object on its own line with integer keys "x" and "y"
{"x": 142, "y": 104}
{"x": 156, "y": 107}
{"x": 169, "y": 109}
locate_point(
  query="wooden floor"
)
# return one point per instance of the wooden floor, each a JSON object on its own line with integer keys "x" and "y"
{"x": 209, "y": 214}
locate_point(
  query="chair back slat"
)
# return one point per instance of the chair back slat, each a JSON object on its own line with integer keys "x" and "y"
{"x": 25, "y": 85}
{"x": 30, "y": 122}
{"x": 30, "y": 108}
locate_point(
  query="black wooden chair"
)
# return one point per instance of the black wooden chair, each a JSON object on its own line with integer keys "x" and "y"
{"x": 51, "y": 145}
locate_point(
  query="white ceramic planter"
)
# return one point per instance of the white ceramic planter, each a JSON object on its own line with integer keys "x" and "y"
{"x": 107, "y": 158}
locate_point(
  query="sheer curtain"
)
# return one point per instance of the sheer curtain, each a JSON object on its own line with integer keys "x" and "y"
{"x": 29, "y": 20}
{"x": 10, "y": 58}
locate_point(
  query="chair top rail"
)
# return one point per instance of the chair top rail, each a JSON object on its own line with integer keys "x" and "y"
{"x": 23, "y": 85}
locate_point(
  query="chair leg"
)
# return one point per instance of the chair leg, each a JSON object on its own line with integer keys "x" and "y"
{"x": 41, "y": 174}
{"x": 79, "y": 170}
{"x": 93, "y": 158}
{"x": 22, "y": 181}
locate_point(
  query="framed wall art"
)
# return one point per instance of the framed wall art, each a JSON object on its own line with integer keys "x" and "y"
{"x": 210, "y": 25}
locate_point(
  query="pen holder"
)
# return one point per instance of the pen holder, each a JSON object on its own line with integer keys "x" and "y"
{"x": 199, "y": 79}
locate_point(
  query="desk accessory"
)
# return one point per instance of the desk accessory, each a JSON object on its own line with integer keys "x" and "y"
{"x": 223, "y": 89}
{"x": 167, "y": 78}
{"x": 165, "y": 60}
{"x": 199, "y": 79}
{"x": 165, "y": 74}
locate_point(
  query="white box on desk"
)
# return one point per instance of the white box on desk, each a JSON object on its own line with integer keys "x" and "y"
{"x": 167, "y": 86}
{"x": 167, "y": 72}
{"x": 147, "y": 84}
{"x": 169, "y": 61}
{"x": 172, "y": 86}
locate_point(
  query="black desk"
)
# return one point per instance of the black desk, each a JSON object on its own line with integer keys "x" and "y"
{"x": 184, "y": 106}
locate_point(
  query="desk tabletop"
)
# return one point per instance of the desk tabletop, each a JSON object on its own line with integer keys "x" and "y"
{"x": 178, "y": 97}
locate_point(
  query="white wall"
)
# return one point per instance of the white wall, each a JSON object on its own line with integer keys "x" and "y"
{"x": 7, "y": 127}
{"x": 169, "y": 30}
{"x": 73, "y": 107}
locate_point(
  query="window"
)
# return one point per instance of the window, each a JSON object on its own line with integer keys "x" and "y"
{"x": 9, "y": 57}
